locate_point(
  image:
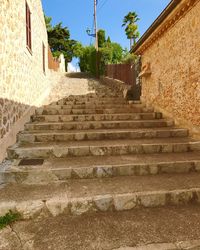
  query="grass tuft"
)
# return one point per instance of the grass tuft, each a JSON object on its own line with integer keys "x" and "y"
{"x": 8, "y": 219}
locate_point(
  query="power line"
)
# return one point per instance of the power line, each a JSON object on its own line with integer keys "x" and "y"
{"x": 102, "y": 5}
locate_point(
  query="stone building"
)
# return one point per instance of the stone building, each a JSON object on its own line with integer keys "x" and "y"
{"x": 170, "y": 51}
{"x": 25, "y": 79}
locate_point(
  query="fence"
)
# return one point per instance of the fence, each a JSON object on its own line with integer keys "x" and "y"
{"x": 123, "y": 72}
{"x": 53, "y": 62}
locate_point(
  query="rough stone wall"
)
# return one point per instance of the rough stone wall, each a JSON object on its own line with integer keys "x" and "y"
{"x": 174, "y": 85}
{"x": 120, "y": 86}
{"x": 23, "y": 84}
{"x": 62, "y": 63}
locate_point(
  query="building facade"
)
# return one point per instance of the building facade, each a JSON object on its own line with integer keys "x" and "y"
{"x": 25, "y": 79}
{"x": 170, "y": 51}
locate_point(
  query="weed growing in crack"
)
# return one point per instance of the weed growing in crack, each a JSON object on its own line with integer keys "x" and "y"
{"x": 8, "y": 219}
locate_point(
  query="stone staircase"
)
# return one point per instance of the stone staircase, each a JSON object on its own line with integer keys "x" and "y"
{"x": 99, "y": 152}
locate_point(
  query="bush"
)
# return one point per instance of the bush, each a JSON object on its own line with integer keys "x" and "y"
{"x": 8, "y": 219}
{"x": 129, "y": 59}
{"x": 106, "y": 55}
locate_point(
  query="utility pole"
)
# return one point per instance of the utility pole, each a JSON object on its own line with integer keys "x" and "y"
{"x": 96, "y": 38}
{"x": 95, "y": 35}
{"x": 95, "y": 26}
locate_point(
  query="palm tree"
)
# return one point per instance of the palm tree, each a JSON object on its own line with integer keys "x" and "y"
{"x": 131, "y": 29}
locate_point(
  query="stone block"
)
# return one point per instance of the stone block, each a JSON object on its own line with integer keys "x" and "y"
{"x": 103, "y": 203}
{"x": 197, "y": 166}
{"x": 79, "y": 151}
{"x": 167, "y": 148}
{"x": 62, "y": 174}
{"x": 152, "y": 199}
{"x": 153, "y": 169}
{"x": 151, "y": 148}
{"x": 125, "y": 201}
{"x": 181, "y": 197}
{"x": 124, "y": 170}
{"x": 30, "y": 209}
{"x": 179, "y": 148}
{"x": 59, "y": 152}
{"x": 103, "y": 171}
{"x": 83, "y": 172}
{"x": 81, "y": 205}
{"x": 195, "y": 146}
{"x": 58, "y": 205}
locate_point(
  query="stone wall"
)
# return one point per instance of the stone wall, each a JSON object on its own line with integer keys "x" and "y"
{"x": 23, "y": 84}
{"x": 122, "y": 88}
{"x": 172, "y": 54}
{"x": 62, "y": 63}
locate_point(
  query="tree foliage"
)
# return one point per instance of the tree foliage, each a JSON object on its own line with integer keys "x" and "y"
{"x": 87, "y": 59}
{"x": 78, "y": 50}
{"x": 131, "y": 28}
{"x": 108, "y": 53}
{"x": 129, "y": 58}
{"x": 59, "y": 40}
{"x": 101, "y": 38}
{"x": 48, "y": 21}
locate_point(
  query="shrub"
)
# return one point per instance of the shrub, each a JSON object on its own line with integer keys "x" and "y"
{"x": 8, "y": 219}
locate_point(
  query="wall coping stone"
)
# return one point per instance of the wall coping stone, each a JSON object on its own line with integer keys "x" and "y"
{"x": 170, "y": 20}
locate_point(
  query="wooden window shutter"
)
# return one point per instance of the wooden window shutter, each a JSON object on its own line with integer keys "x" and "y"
{"x": 43, "y": 55}
{"x": 28, "y": 27}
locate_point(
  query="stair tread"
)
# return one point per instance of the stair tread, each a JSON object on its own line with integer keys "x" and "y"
{"x": 102, "y": 143}
{"x": 102, "y": 111}
{"x": 112, "y": 130}
{"x": 94, "y": 187}
{"x": 94, "y": 105}
{"x": 82, "y": 115}
{"x": 129, "y": 108}
{"x": 118, "y": 160}
{"x": 96, "y": 122}
{"x": 146, "y": 228}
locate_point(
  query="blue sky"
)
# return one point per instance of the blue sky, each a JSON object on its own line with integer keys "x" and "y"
{"x": 77, "y": 15}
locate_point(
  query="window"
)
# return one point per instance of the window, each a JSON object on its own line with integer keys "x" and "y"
{"x": 43, "y": 55}
{"x": 28, "y": 27}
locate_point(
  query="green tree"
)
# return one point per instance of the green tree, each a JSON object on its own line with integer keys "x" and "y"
{"x": 87, "y": 59}
{"x": 48, "y": 21}
{"x": 129, "y": 58}
{"x": 108, "y": 53}
{"x": 59, "y": 40}
{"x": 117, "y": 53}
{"x": 131, "y": 28}
{"x": 105, "y": 57}
{"x": 101, "y": 38}
{"x": 78, "y": 50}
{"x": 108, "y": 41}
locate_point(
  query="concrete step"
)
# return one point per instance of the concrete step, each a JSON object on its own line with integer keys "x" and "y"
{"x": 103, "y": 147}
{"x": 111, "y": 134}
{"x": 56, "y": 110}
{"x": 138, "y": 229}
{"x": 93, "y": 106}
{"x": 89, "y": 167}
{"x": 93, "y": 101}
{"x": 95, "y": 98}
{"x": 100, "y": 195}
{"x": 97, "y": 117}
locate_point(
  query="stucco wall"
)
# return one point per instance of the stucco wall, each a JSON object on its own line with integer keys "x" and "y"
{"x": 23, "y": 84}
{"x": 174, "y": 57}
